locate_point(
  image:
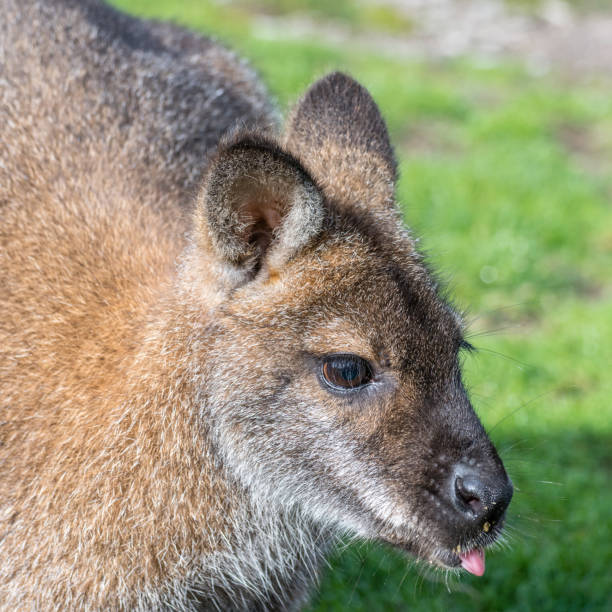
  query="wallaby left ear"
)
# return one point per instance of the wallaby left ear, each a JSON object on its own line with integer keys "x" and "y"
{"x": 257, "y": 205}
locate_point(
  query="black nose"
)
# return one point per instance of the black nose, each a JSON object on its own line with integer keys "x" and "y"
{"x": 481, "y": 496}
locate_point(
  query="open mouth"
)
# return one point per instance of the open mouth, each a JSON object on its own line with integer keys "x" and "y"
{"x": 469, "y": 557}
{"x": 472, "y": 561}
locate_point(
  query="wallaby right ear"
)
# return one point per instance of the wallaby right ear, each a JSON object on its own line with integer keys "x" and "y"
{"x": 257, "y": 205}
{"x": 338, "y": 131}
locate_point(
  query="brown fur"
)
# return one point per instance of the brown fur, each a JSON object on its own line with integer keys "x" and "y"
{"x": 166, "y": 439}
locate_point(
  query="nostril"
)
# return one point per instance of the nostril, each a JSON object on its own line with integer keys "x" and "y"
{"x": 467, "y": 490}
{"x": 479, "y": 494}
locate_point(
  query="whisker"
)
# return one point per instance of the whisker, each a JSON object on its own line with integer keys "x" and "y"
{"x": 521, "y": 364}
{"x": 488, "y": 333}
{"x": 506, "y": 449}
{"x": 521, "y": 407}
{"x": 401, "y": 582}
{"x": 357, "y": 580}
{"x": 473, "y": 318}
{"x": 518, "y": 532}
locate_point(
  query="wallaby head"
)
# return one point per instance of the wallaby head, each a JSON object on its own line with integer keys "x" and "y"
{"x": 332, "y": 381}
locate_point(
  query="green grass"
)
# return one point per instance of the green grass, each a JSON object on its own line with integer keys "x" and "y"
{"x": 506, "y": 177}
{"x": 576, "y": 5}
{"x": 378, "y": 17}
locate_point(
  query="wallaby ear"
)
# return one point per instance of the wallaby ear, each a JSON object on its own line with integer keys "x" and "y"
{"x": 257, "y": 205}
{"x": 340, "y": 135}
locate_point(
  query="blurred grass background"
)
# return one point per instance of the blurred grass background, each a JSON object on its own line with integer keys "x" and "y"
{"x": 507, "y": 176}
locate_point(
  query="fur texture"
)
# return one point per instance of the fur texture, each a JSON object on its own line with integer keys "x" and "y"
{"x": 174, "y": 273}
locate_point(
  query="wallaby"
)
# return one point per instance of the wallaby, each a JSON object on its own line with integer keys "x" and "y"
{"x": 220, "y": 349}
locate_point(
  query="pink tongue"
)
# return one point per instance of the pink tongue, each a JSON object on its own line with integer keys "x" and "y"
{"x": 473, "y": 562}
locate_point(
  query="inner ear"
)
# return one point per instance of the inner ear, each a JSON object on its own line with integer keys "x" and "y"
{"x": 263, "y": 215}
{"x": 260, "y": 201}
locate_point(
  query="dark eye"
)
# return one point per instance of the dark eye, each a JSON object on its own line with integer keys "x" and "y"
{"x": 345, "y": 372}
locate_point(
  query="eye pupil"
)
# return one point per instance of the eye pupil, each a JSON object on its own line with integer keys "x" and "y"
{"x": 346, "y": 372}
{"x": 350, "y": 373}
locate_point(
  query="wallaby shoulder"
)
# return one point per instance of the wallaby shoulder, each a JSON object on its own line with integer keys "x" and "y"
{"x": 153, "y": 99}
